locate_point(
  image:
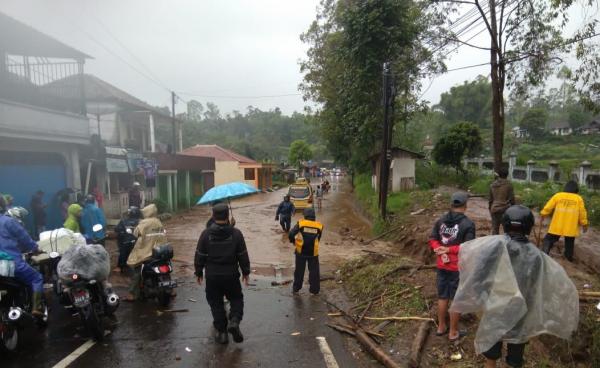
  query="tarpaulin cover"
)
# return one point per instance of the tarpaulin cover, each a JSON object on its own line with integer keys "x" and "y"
{"x": 90, "y": 262}
{"x": 59, "y": 240}
{"x": 520, "y": 292}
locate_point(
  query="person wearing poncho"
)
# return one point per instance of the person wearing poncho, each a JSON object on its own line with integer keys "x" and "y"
{"x": 519, "y": 291}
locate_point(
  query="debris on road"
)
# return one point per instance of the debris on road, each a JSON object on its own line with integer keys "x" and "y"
{"x": 192, "y": 300}
{"x": 188, "y": 349}
{"x": 295, "y": 333}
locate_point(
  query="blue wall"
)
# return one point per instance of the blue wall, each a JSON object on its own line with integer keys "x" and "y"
{"x": 23, "y": 174}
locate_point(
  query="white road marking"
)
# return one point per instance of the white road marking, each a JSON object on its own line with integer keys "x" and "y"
{"x": 330, "y": 361}
{"x": 76, "y": 354}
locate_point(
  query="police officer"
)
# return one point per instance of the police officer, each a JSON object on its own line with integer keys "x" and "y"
{"x": 284, "y": 214}
{"x": 306, "y": 236}
{"x": 220, "y": 254}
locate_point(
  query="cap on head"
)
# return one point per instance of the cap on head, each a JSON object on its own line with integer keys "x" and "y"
{"x": 518, "y": 219}
{"x": 309, "y": 213}
{"x": 136, "y": 184}
{"x": 459, "y": 199}
{"x": 220, "y": 212}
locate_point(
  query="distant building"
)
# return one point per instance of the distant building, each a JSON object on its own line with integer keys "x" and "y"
{"x": 519, "y": 132}
{"x": 402, "y": 169}
{"x": 592, "y": 127}
{"x": 232, "y": 167}
{"x": 560, "y": 128}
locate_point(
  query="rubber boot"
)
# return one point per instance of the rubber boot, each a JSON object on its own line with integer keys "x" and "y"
{"x": 36, "y": 304}
{"x": 234, "y": 330}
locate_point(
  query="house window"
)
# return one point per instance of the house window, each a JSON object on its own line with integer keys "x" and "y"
{"x": 249, "y": 174}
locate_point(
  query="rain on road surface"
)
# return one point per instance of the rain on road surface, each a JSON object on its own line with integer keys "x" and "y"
{"x": 145, "y": 337}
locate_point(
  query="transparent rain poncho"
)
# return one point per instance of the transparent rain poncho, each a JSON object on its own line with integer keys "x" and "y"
{"x": 90, "y": 262}
{"x": 519, "y": 291}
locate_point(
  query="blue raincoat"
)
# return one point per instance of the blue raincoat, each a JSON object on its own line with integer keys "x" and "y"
{"x": 92, "y": 215}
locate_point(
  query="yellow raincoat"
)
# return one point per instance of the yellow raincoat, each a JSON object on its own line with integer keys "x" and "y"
{"x": 569, "y": 213}
{"x": 149, "y": 233}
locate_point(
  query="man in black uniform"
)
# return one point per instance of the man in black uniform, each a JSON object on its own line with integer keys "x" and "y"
{"x": 306, "y": 236}
{"x": 284, "y": 214}
{"x": 222, "y": 252}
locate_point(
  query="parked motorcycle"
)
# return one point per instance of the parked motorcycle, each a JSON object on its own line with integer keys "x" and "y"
{"x": 92, "y": 301}
{"x": 16, "y": 303}
{"x": 156, "y": 279}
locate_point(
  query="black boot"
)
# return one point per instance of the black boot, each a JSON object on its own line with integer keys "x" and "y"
{"x": 222, "y": 337}
{"x": 234, "y": 330}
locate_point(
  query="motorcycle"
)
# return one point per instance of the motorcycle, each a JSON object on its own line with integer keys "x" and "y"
{"x": 16, "y": 304}
{"x": 92, "y": 301}
{"x": 156, "y": 279}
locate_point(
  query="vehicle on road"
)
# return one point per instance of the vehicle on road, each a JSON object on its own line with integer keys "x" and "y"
{"x": 301, "y": 194}
{"x": 16, "y": 304}
{"x": 156, "y": 279}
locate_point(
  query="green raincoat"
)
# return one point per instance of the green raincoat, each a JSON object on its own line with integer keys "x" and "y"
{"x": 73, "y": 215}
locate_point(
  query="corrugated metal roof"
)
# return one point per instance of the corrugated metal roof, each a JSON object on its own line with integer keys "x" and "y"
{"x": 20, "y": 39}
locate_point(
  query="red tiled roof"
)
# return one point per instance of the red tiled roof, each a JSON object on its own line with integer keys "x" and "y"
{"x": 219, "y": 153}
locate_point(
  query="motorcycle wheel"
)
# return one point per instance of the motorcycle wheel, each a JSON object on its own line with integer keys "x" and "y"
{"x": 164, "y": 298}
{"x": 92, "y": 322}
{"x": 9, "y": 339}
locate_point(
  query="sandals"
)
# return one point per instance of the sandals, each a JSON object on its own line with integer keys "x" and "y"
{"x": 461, "y": 334}
{"x": 437, "y": 333}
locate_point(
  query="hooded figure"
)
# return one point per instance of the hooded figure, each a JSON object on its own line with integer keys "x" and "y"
{"x": 91, "y": 216}
{"x": 73, "y": 215}
{"x": 520, "y": 292}
{"x": 149, "y": 233}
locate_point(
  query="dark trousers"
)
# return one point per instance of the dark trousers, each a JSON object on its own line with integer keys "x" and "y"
{"x": 230, "y": 287}
{"x": 285, "y": 222}
{"x": 550, "y": 239}
{"x": 514, "y": 355}
{"x": 124, "y": 251}
{"x": 314, "y": 277}
{"x": 496, "y": 222}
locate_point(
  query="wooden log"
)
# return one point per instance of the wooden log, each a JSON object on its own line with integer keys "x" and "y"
{"x": 375, "y": 350}
{"x": 590, "y": 293}
{"x": 394, "y": 318}
{"x": 418, "y": 343}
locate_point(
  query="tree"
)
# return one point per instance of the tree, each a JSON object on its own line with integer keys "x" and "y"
{"x": 348, "y": 44}
{"x": 470, "y": 101}
{"x": 534, "y": 121}
{"x": 462, "y": 139}
{"x": 194, "y": 110}
{"x": 526, "y": 45}
{"x": 300, "y": 151}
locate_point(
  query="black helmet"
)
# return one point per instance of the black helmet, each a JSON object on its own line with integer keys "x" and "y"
{"x": 518, "y": 219}
{"x": 134, "y": 212}
{"x": 90, "y": 198}
{"x": 309, "y": 213}
{"x": 286, "y": 197}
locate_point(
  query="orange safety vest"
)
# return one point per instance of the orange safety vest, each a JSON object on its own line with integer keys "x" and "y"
{"x": 307, "y": 239}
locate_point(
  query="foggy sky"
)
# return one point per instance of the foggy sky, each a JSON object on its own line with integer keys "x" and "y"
{"x": 224, "y": 51}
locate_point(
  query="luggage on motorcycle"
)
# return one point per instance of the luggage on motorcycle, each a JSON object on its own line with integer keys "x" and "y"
{"x": 162, "y": 252}
{"x": 7, "y": 265}
{"x": 89, "y": 262}
{"x": 59, "y": 241}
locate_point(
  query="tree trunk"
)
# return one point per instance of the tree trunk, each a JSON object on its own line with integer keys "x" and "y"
{"x": 497, "y": 91}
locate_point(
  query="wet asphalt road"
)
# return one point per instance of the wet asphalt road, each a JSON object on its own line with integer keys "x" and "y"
{"x": 142, "y": 336}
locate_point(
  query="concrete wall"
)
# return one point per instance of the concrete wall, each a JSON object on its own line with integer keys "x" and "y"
{"x": 29, "y": 122}
{"x": 403, "y": 173}
{"x": 228, "y": 172}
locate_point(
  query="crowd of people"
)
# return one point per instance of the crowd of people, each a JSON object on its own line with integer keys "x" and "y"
{"x": 466, "y": 278}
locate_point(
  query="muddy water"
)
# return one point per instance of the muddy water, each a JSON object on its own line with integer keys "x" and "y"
{"x": 270, "y": 251}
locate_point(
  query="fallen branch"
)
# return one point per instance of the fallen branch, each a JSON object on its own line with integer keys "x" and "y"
{"x": 375, "y": 350}
{"x": 394, "y": 318}
{"x": 365, "y": 302}
{"x": 364, "y": 313}
{"x": 410, "y": 267}
{"x": 590, "y": 293}
{"x": 418, "y": 343}
{"x": 353, "y": 328}
{"x": 380, "y": 253}
{"x": 383, "y": 234}
{"x": 341, "y": 329}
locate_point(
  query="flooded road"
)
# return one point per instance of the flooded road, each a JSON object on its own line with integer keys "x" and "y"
{"x": 281, "y": 330}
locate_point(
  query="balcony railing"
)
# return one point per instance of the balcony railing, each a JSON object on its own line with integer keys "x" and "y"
{"x": 51, "y": 83}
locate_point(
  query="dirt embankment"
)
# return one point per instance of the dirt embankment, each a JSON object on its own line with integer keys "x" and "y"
{"x": 373, "y": 278}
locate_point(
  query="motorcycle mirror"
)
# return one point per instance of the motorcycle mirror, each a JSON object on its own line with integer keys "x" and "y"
{"x": 54, "y": 254}
{"x": 97, "y": 227}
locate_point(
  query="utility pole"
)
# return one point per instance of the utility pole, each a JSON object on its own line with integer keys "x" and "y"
{"x": 386, "y": 154}
{"x": 173, "y": 122}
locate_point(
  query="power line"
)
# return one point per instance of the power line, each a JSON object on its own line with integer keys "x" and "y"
{"x": 191, "y": 94}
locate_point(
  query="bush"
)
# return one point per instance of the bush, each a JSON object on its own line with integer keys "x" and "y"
{"x": 429, "y": 175}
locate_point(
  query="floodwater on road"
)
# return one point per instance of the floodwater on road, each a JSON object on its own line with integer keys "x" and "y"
{"x": 280, "y": 329}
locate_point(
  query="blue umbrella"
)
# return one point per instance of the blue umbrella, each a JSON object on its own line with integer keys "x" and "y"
{"x": 227, "y": 191}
